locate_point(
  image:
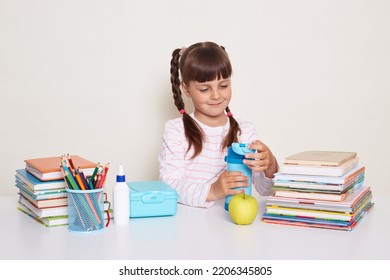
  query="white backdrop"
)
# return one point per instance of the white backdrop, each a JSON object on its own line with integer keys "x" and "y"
{"x": 92, "y": 77}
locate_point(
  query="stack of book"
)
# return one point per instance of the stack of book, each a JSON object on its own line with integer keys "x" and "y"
{"x": 322, "y": 189}
{"x": 42, "y": 189}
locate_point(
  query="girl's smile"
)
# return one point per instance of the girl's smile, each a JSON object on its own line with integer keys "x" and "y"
{"x": 210, "y": 100}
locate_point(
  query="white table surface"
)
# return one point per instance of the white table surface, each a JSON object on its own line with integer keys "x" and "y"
{"x": 195, "y": 233}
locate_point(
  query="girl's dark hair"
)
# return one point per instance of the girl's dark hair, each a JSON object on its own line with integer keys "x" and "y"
{"x": 201, "y": 62}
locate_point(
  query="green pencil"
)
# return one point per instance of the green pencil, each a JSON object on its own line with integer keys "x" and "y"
{"x": 93, "y": 176}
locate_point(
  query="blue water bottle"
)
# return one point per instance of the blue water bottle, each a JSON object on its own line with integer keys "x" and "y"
{"x": 234, "y": 158}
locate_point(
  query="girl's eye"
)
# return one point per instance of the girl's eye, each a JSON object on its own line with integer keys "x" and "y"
{"x": 224, "y": 86}
{"x": 203, "y": 89}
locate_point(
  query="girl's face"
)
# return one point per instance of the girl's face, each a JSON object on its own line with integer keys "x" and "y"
{"x": 210, "y": 100}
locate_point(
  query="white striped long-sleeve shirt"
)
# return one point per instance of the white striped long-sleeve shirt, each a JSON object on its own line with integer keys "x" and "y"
{"x": 192, "y": 178}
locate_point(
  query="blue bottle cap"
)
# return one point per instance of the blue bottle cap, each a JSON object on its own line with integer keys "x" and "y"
{"x": 121, "y": 175}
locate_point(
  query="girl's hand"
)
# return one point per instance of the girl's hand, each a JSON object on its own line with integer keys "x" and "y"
{"x": 225, "y": 184}
{"x": 262, "y": 160}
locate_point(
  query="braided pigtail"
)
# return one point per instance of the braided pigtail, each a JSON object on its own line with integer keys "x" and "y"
{"x": 175, "y": 80}
{"x": 234, "y": 130}
{"x": 193, "y": 132}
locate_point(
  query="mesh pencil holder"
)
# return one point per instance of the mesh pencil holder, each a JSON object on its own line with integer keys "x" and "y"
{"x": 85, "y": 210}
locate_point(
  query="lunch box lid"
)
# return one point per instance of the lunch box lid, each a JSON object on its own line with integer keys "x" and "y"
{"x": 151, "y": 191}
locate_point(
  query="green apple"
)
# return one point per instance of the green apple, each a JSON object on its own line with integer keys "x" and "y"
{"x": 243, "y": 209}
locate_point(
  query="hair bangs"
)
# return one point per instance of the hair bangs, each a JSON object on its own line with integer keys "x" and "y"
{"x": 208, "y": 64}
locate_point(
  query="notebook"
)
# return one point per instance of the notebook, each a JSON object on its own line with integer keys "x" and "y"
{"x": 320, "y": 158}
{"x": 48, "y": 168}
{"x": 29, "y": 181}
{"x": 320, "y": 170}
{"x": 358, "y": 171}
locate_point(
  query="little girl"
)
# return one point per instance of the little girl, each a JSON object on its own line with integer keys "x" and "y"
{"x": 194, "y": 145}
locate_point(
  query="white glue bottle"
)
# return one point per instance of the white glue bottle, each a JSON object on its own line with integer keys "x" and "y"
{"x": 121, "y": 199}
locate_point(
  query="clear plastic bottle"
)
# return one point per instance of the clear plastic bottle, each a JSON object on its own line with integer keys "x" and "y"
{"x": 121, "y": 199}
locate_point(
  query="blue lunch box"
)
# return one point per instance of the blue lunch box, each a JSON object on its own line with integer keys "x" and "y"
{"x": 152, "y": 199}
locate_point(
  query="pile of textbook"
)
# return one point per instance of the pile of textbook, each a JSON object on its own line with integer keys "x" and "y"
{"x": 42, "y": 189}
{"x": 322, "y": 189}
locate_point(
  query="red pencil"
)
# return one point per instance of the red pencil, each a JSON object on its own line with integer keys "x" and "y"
{"x": 98, "y": 180}
{"x": 103, "y": 180}
{"x": 70, "y": 162}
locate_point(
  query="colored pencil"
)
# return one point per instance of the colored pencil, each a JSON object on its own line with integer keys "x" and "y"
{"x": 82, "y": 176}
{"x": 94, "y": 175}
{"x": 104, "y": 176}
{"x": 70, "y": 162}
{"x": 80, "y": 182}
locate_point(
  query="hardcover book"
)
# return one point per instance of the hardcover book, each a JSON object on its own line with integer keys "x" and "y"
{"x": 45, "y": 203}
{"x": 316, "y": 194}
{"x": 318, "y": 223}
{"x": 48, "y": 168}
{"x": 49, "y": 212}
{"x": 308, "y": 185}
{"x": 350, "y": 204}
{"x": 43, "y": 194}
{"x": 320, "y": 158}
{"x": 55, "y": 220}
{"x": 320, "y": 170}
{"x": 339, "y": 180}
{"x": 34, "y": 184}
{"x": 44, "y": 212}
{"x": 315, "y": 214}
